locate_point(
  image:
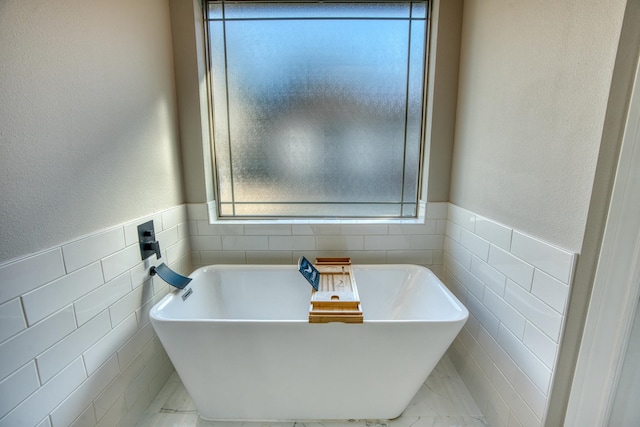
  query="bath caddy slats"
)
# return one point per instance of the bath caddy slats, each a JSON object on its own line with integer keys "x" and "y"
{"x": 336, "y": 299}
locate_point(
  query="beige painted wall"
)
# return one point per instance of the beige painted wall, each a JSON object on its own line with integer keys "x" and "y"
{"x": 533, "y": 90}
{"x": 444, "y": 57}
{"x": 189, "y": 45}
{"x": 88, "y": 127}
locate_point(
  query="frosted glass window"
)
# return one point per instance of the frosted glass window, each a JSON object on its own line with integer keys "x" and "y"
{"x": 317, "y": 107}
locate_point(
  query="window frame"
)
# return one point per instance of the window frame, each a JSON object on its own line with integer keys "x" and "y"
{"x": 423, "y": 159}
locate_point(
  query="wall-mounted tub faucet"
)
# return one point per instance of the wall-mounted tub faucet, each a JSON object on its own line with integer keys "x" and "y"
{"x": 149, "y": 246}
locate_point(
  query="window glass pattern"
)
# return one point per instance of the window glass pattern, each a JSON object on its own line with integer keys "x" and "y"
{"x": 317, "y": 107}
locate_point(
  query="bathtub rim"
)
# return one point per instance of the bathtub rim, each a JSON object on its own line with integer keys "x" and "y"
{"x": 459, "y": 306}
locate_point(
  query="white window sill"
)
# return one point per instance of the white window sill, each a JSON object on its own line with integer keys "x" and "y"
{"x": 340, "y": 221}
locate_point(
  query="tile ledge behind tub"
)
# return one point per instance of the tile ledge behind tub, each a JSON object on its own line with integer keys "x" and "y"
{"x": 284, "y": 241}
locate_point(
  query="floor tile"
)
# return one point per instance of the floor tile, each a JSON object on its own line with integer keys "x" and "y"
{"x": 442, "y": 401}
{"x": 168, "y": 420}
{"x": 440, "y": 421}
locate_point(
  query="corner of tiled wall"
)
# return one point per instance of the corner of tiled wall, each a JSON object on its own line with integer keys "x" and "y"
{"x": 515, "y": 287}
{"x": 284, "y": 243}
{"x": 76, "y": 344}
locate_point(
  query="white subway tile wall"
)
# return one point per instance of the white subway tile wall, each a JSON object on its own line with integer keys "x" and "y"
{"x": 77, "y": 348}
{"x": 283, "y": 243}
{"x": 515, "y": 287}
{"x": 76, "y": 345}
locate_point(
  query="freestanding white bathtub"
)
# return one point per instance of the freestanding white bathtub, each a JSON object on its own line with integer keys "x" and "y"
{"x": 243, "y": 347}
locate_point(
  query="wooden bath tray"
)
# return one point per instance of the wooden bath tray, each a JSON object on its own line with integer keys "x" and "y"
{"x": 336, "y": 299}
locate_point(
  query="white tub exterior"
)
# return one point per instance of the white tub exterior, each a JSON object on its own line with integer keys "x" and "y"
{"x": 243, "y": 347}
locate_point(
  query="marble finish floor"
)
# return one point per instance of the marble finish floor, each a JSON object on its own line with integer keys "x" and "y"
{"x": 442, "y": 401}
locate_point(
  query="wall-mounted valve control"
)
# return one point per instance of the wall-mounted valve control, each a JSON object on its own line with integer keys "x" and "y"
{"x": 147, "y": 238}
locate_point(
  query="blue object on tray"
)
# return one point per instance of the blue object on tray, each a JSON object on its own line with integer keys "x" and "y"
{"x": 309, "y": 272}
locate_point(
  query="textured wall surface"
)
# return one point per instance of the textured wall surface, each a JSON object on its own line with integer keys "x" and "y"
{"x": 88, "y": 128}
{"x": 533, "y": 89}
